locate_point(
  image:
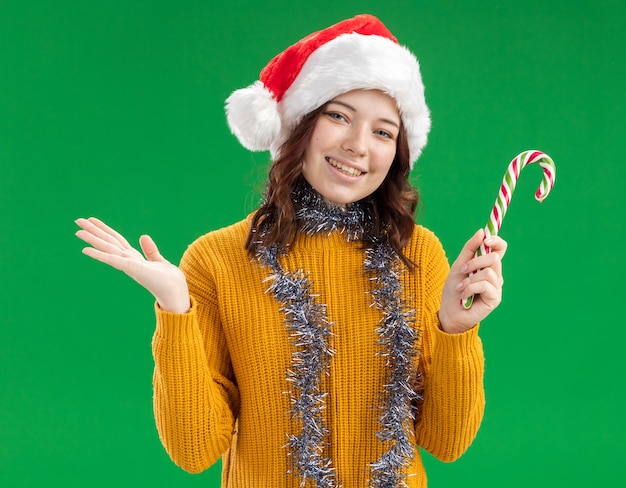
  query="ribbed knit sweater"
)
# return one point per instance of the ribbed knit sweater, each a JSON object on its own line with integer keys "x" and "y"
{"x": 220, "y": 386}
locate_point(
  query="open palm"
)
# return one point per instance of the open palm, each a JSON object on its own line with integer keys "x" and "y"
{"x": 151, "y": 270}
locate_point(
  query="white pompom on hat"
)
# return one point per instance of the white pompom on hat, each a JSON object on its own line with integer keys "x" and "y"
{"x": 357, "y": 53}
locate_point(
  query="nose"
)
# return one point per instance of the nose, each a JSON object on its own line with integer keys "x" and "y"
{"x": 355, "y": 140}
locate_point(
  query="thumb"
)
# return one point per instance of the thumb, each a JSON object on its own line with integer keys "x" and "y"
{"x": 470, "y": 247}
{"x": 150, "y": 249}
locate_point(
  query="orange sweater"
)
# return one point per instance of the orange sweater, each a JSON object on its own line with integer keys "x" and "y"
{"x": 220, "y": 370}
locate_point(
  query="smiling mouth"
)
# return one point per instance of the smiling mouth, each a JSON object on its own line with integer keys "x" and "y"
{"x": 343, "y": 168}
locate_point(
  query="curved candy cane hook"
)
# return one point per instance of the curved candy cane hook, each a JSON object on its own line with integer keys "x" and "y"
{"x": 506, "y": 191}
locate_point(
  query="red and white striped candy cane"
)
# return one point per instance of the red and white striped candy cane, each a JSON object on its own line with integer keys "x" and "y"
{"x": 506, "y": 191}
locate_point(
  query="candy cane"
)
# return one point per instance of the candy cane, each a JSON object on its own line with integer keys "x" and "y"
{"x": 506, "y": 191}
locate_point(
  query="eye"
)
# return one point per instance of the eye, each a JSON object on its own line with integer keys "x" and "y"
{"x": 384, "y": 133}
{"x": 336, "y": 116}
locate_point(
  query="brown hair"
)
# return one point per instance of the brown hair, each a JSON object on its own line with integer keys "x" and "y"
{"x": 394, "y": 202}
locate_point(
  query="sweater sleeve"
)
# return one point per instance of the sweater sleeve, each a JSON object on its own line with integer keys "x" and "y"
{"x": 195, "y": 396}
{"x": 452, "y": 367}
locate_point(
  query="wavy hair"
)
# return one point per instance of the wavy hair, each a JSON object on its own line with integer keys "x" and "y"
{"x": 394, "y": 202}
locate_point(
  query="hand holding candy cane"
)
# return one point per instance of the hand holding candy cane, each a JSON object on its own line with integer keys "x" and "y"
{"x": 506, "y": 191}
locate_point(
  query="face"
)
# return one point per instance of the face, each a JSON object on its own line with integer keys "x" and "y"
{"x": 352, "y": 146}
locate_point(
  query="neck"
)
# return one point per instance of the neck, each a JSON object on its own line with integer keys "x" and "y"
{"x": 316, "y": 214}
{"x": 339, "y": 206}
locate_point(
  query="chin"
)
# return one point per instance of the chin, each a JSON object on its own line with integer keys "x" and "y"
{"x": 337, "y": 194}
{"x": 340, "y": 199}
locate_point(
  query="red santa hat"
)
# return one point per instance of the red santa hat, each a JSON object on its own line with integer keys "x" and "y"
{"x": 357, "y": 53}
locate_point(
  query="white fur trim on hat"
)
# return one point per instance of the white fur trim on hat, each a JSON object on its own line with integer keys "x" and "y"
{"x": 253, "y": 117}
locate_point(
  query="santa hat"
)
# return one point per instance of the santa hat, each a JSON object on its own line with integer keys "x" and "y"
{"x": 355, "y": 53}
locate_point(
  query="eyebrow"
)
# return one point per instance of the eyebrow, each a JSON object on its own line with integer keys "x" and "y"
{"x": 382, "y": 119}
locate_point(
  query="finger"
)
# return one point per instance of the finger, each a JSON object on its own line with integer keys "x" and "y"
{"x": 497, "y": 244}
{"x": 493, "y": 261}
{"x": 469, "y": 249}
{"x": 96, "y": 231}
{"x": 110, "y": 231}
{"x": 483, "y": 290}
{"x": 150, "y": 249}
{"x": 105, "y": 246}
{"x": 107, "y": 233}
{"x": 488, "y": 275}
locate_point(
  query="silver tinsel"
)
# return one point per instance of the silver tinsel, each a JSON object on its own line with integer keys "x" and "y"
{"x": 314, "y": 215}
{"x": 309, "y": 328}
{"x": 397, "y": 338}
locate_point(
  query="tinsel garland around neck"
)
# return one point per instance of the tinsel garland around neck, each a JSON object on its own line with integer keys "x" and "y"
{"x": 309, "y": 327}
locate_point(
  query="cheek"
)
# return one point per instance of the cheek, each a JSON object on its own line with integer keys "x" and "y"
{"x": 308, "y": 168}
{"x": 384, "y": 161}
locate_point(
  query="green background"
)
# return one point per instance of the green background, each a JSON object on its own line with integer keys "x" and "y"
{"x": 115, "y": 109}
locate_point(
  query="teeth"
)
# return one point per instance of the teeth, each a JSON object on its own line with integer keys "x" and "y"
{"x": 343, "y": 168}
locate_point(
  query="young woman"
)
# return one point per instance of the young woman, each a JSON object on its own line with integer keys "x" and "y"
{"x": 321, "y": 340}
